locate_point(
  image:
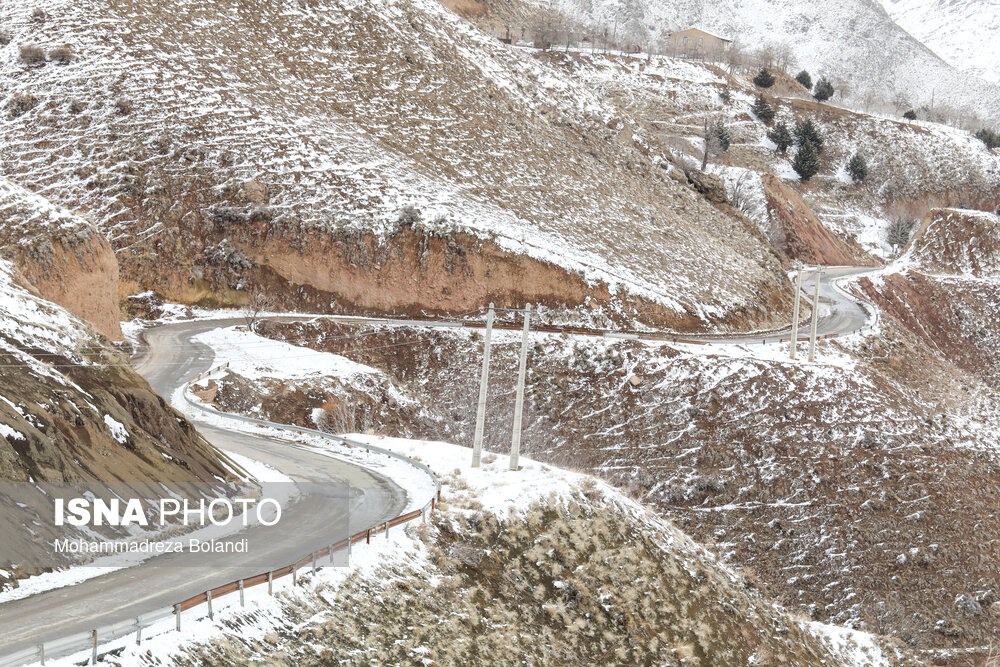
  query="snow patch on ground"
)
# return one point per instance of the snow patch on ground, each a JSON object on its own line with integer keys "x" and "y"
{"x": 118, "y": 430}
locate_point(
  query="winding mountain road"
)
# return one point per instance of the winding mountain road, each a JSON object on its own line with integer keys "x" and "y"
{"x": 310, "y": 522}
{"x": 173, "y": 358}
{"x": 840, "y": 314}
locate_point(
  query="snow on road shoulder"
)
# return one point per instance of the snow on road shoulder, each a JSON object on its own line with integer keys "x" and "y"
{"x": 254, "y": 356}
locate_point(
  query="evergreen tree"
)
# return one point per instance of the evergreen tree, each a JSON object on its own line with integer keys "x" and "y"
{"x": 858, "y": 168}
{"x": 824, "y": 90}
{"x": 782, "y": 137}
{"x": 807, "y": 132}
{"x": 764, "y": 79}
{"x": 989, "y": 137}
{"x": 721, "y": 136}
{"x": 910, "y": 115}
{"x": 804, "y": 78}
{"x": 763, "y": 110}
{"x": 806, "y": 162}
{"x": 717, "y": 140}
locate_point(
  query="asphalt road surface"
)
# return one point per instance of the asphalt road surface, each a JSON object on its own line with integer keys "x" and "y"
{"x": 306, "y": 525}
{"x": 172, "y": 359}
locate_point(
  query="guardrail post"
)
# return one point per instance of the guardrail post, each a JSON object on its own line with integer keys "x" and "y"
{"x": 208, "y": 599}
{"x": 386, "y": 530}
{"x": 314, "y": 563}
{"x": 270, "y": 583}
{"x": 368, "y": 536}
{"x": 41, "y": 652}
{"x": 294, "y": 575}
{"x": 242, "y": 600}
{"x": 138, "y": 630}
{"x": 94, "y": 635}
{"x": 177, "y": 611}
{"x": 423, "y": 514}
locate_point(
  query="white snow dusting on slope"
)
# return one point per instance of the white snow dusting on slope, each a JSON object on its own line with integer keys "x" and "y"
{"x": 966, "y": 33}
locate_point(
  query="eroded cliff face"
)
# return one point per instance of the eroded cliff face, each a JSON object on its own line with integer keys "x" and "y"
{"x": 411, "y": 269}
{"x": 60, "y": 256}
{"x": 83, "y": 279}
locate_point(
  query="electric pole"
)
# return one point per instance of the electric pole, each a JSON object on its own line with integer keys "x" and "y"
{"x": 815, "y": 319}
{"x": 477, "y": 444}
{"x": 515, "y": 445}
{"x": 795, "y": 313}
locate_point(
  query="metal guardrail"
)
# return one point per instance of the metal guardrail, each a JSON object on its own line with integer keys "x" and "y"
{"x": 93, "y": 640}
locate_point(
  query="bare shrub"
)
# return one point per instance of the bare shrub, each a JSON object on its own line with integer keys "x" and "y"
{"x": 76, "y": 106}
{"x": 61, "y": 54}
{"x": 38, "y": 15}
{"x": 739, "y": 192}
{"x": 258, "y": 302}
{"x": 123, "y": 106}
{"x": 4, "y": 37}
{"x": 32, "y": 55}
{"x": 409, "y": 216}
{"x": 21, "y": 103}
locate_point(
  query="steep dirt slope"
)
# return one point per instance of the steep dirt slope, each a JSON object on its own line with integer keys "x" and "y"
{"x": 853, "y": 490}
{"x": 795, "y": 230}
{"x": 946, "y": 289}
{"x": 957, "y": 242}
{"x": 61, "y": 256}
{"x": 303, "y": 139}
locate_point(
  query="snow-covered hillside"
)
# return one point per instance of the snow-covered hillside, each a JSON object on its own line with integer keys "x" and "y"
{"x": 200, "y": 152}
{"x": 966, "y": 33}
{"x": 912, "y": 166}
{"x": 853, "y": 40}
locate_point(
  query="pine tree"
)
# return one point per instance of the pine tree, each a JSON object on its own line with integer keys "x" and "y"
{"x": 807, "y": 132}
{"x": 806, "y": 162}
{"x": 717, "y": 141}
{"x": 804, "y": 78}
{"x": 910, "y": 115}
{"x": 764, "y": 79}
{"x": 857, "y": 168}
{"x": 721, "y": 135}
{"x": 763, "y": 110}
{"x": 782, "y": 137}
{"x": 824, "y": 90}
{"x": 989, "y": 137}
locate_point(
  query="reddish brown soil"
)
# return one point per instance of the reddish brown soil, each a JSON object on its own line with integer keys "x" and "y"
{"x": 808, "y": 240}
{"x": 83, "y": 280}
{"x": 953, "y": 317}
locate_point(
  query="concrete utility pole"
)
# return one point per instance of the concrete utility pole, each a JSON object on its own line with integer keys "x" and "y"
{"x": 795, "y": 312}
{"x": 484, "y": 378}
{"x": 515, "y": 445}
{"x": 815, "y": 319}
